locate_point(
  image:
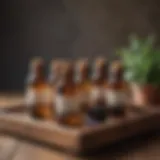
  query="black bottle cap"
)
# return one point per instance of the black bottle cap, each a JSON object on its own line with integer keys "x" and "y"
{"x": 97, "y": 112}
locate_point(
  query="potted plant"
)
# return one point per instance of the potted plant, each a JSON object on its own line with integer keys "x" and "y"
{"x": 141, "y": 60}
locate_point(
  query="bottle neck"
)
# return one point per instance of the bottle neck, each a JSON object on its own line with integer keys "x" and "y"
{"x": 115, "y": 81}
{"x": 36, "y": 78}
{"x": 68, "y": 79}
{"x": 99, "y": 77}
{"x": 81, "y": 77}
{"x": 53, "y": 78}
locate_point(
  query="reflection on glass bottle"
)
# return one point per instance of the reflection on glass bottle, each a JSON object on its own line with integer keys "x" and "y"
{"x": 116, "y": 93}
{"x": 100, "y": 73}
{"x": 83, "y": 84}
{"x": 38, "y": 93}
{"x": 99, "y": 79}
{"x": 98, "y": 107}
{"x": 54, "y": 72}
{"x": 68, "y": 110}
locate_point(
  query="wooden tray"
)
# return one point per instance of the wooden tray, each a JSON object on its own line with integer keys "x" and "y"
{"x": 79, "y": 140}
{"x": 11, "y": 102}
{"x": 149, "y": 108}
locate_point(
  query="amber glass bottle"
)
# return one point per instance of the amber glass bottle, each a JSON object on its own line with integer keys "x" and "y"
{"x": 54, "y": 72}
{"x": 67, "y": 106}
{"x": 98, "y": 107}
{"x": 99, "y": 78}
{"x": 116, "y": 93}
{"x": 83, "y": 84}
{"x": 38, "y": 92}
{"x": 100, "y": 73}
{"x": 53, "y": 79}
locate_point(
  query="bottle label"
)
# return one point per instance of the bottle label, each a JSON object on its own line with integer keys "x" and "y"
{"x": 44, "y": 96}
{"x": 65, "y": 105}
{"x": 115, "y": 98}
{"x": 30, "y": 97}
{"x": 83, "y": 97}
{"x": 97, "y": 93}
{"x": 34, "y": 96}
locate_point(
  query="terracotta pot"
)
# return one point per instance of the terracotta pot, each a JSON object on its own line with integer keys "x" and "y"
{"x": 145, "y": 95}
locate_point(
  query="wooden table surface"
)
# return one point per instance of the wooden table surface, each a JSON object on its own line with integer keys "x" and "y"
{"x": 146, "y": 147}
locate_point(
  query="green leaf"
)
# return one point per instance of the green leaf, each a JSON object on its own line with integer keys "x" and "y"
{"x": 141, "y": 61}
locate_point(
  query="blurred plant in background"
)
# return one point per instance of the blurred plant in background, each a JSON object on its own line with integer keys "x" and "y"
{"x": 141, "y": 60}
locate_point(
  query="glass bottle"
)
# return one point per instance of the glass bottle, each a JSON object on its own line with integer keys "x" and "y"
{"x": 38, "y": 92}
{"x": 67, "y": 105}
{"x": 54, "y": 72}
{"x": 99, "y": 78}
{"x": 116, "y": 92}
{"x": 97, "y": 112}
{"x": 100, "y": 72}
{"x": 83, "y": 84}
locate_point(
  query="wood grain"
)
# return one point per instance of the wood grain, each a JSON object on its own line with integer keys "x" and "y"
{"x": 44, "y": 131}
{"x": 29, "y": 151}
{"x": 8, "y": 146}
{"x": 119, "y": 129}
{"x": 78, "y": 140}
{"x": 11, "y": 102}
{"x": 146, "y": 148}
{"x": 138, "y": 149}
